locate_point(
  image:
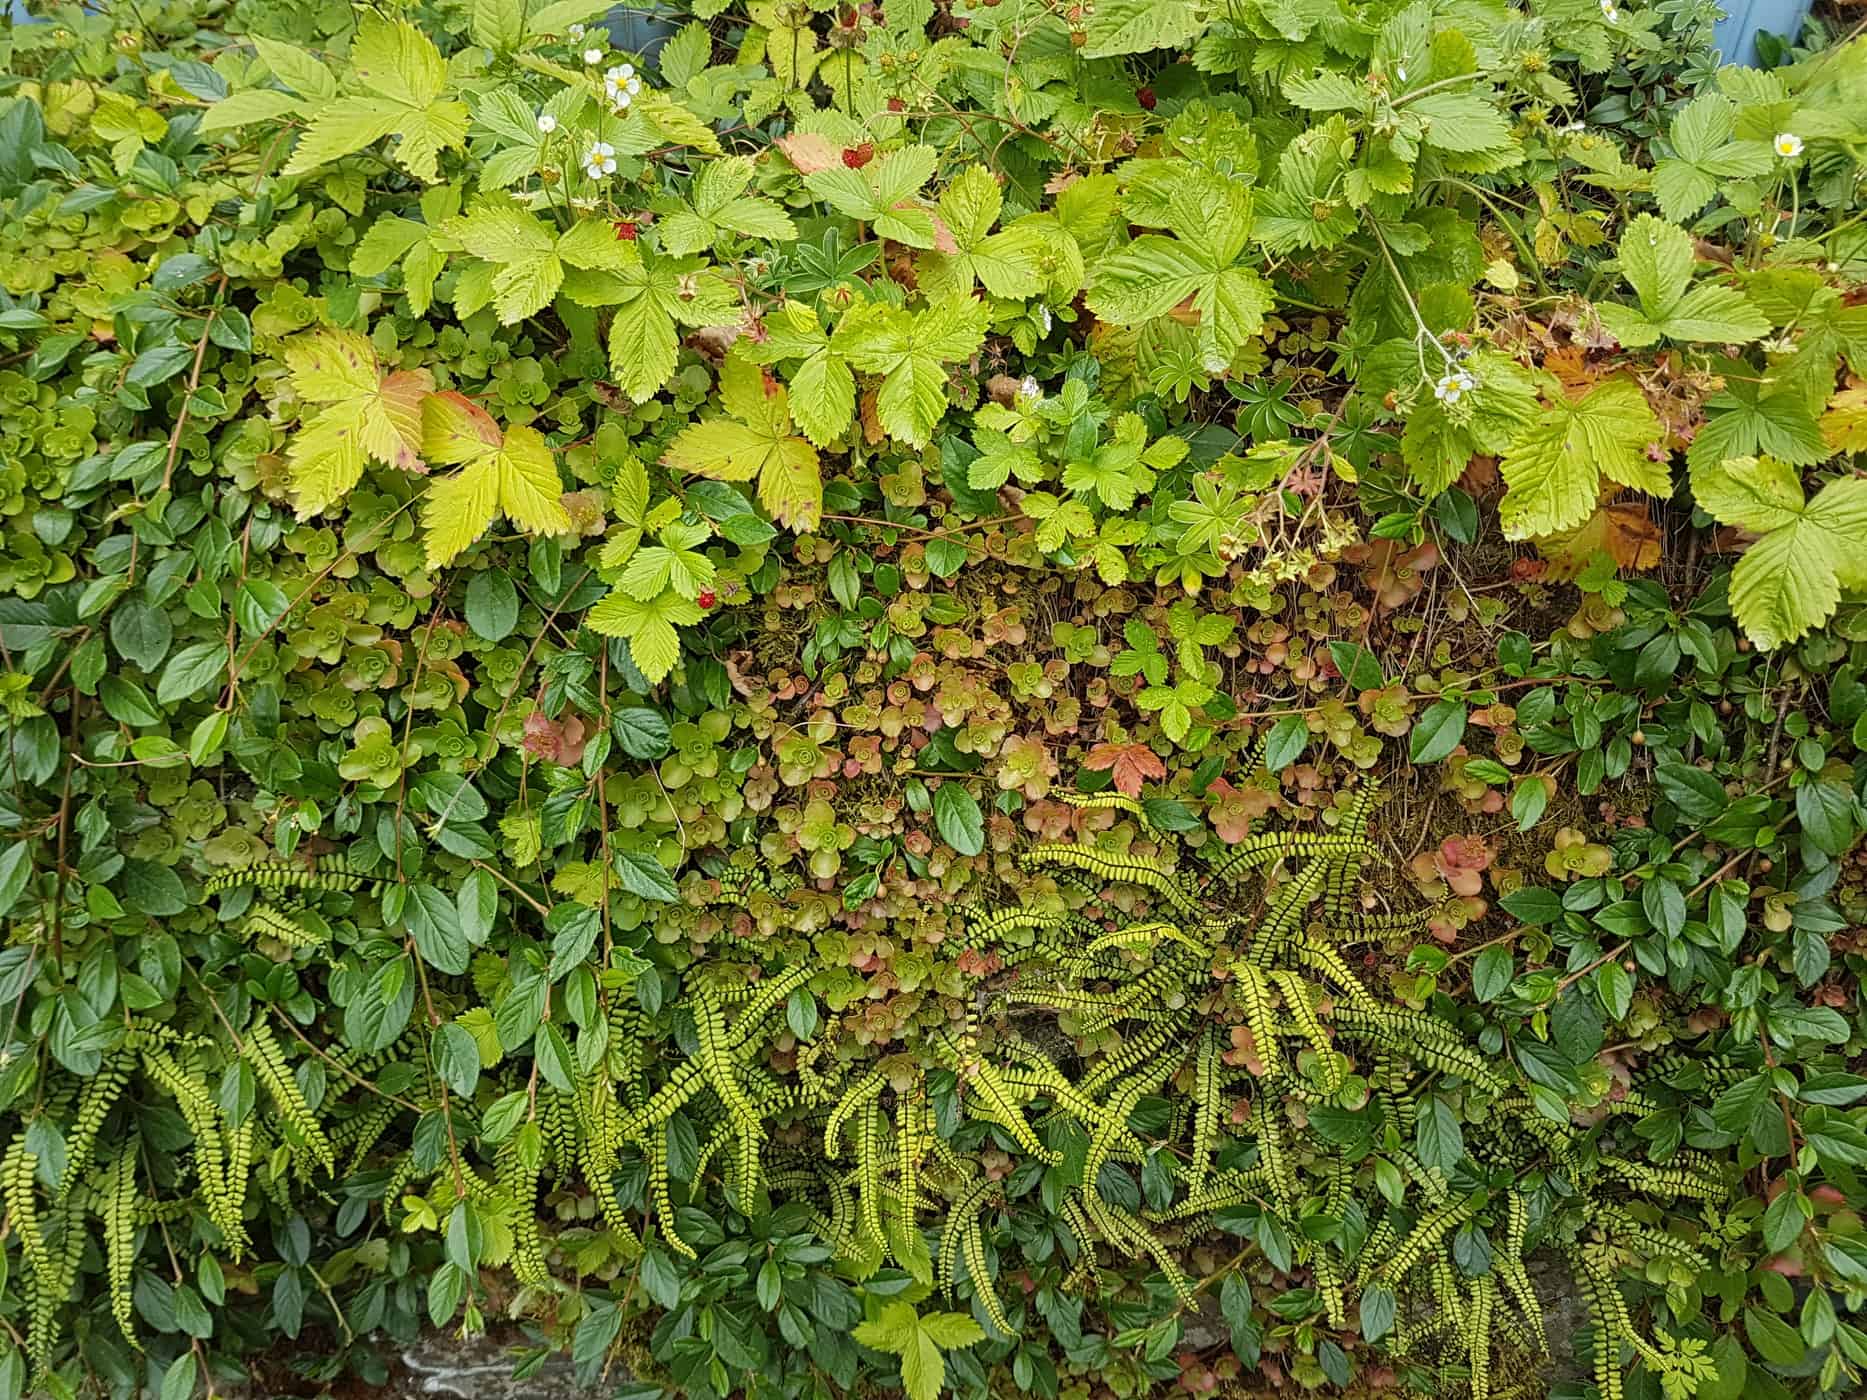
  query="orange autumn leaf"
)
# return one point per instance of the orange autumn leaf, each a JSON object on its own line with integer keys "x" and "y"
{"x": 1129, "y": 764}
{"x": 1845, "y": 422}
{"x": 1623, "y": 530}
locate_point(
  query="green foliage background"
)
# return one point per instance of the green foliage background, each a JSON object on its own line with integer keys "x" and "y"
{"x": 1014, "y": 697}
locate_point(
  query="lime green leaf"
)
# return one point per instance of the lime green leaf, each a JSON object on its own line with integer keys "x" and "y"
{"x": 882, "y": 193}
{"x": 301, "y": 71}
{"x": 520, "y": 481}
{"x": 1790, "y": 581}
{"x": 1553, "y": 469}
{"x": 1657, "y": 259}
{"x": 1755, "y": 494}
{"x": 756, "y": 443}
{"x": 403, "y": 76}
{"x": 1009, "y": 264}
{"x": 253, "y": 105}
{"x": 911, "y": 350}
{"x": 368, "y": 416}
{"x": 649, "y": 627}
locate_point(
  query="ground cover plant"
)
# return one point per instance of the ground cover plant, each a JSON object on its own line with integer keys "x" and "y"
{"x": 1079, "y": 699}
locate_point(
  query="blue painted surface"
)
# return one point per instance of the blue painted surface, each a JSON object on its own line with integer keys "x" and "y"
{"x": 1736, "y": 34}
{"x": 642, "y": 28}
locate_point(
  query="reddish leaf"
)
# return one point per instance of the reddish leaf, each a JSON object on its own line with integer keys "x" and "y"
{"x": 1131, "y": 765}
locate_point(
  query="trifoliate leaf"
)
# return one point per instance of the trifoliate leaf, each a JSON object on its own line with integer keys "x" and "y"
{"x": 1306, "y": 209}
{"x": 718, "y": 204}
{"x": 823, "y": 391}
{"x": 649, "y": 627}
{"x": 519, "y": 481}
{"x": 523, "y": 252}
{"x": 911, "y": 350}
{"x": 756, "y": 442}
{"x": 1009, "y": 264}
{"x": 653, "y": 294}
{"x": 1756, "y": 415}
{"x": 882, "y": 193}
{"x": 1211, "y": 220}
{"x": 1704, "y": 156}
{"x": 1553, "y": 469}
{"x": 1788, "y": 582}
{"x": 403, "y": 76}
{"x": 1657, "y": 259}
{"x": 369, "y": 416}
{"x": 1442, "y": 437}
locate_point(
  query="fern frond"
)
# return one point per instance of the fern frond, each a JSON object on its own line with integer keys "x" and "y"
{"x": 261, "y": 1051}
{"x": 270, "y": 875}
{"x": 118, "y": 1210}
{"x": 1115, "y": 869}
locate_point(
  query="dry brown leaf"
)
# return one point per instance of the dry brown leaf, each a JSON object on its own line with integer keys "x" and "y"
{"x": 1845, "y": 422}
{"x": 809, "y": 151}
{"x": 1623, "y": 530}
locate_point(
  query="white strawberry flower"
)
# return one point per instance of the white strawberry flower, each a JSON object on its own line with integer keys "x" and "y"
{"x": 1609, "y": 12}
{"x": 620, "y": 85}
{"x": 575, "y": 31}
{"x": 547, "y": 123}
{"x": 1454, "y": 385}
{"x": 600, "y": 160}
{"x": 1029, "y": 389}
{"x": 593, "y": 56}
{"x": 1788, "y": 145}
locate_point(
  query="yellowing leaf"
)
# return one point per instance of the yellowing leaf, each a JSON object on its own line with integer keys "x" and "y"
{"x": 1622, "y": 530}
{"x": 455, "y": 429}
{"x": 519, "y": 481}
{"x": 403, "y": 75}
{"x": 369, "y": 416}
{"x": 756, "y": 442}
{"x": 1844, "y": 425}
{"x": 1553, "y": 469}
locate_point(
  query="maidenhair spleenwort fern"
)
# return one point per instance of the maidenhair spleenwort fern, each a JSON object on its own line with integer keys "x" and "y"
{"x": 1192, "y": 1040}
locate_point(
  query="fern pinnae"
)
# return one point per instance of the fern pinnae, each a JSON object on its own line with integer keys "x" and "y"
{"x": 869, "y": 1156}
{"x": 276, "y": 875}
{"x": 1206, "y": 1107}
{"x": 117, "y": 1209}
{"x": 661, "y": 1193}
{"x": 863, "y": 1091}
{"x": 979, "y": 1272}
{"x": 911, "y": 1132}
{"x": 95, "y": 1100}
{"x": 261, "y": 1050}
{"x": 1118, "y": 869}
